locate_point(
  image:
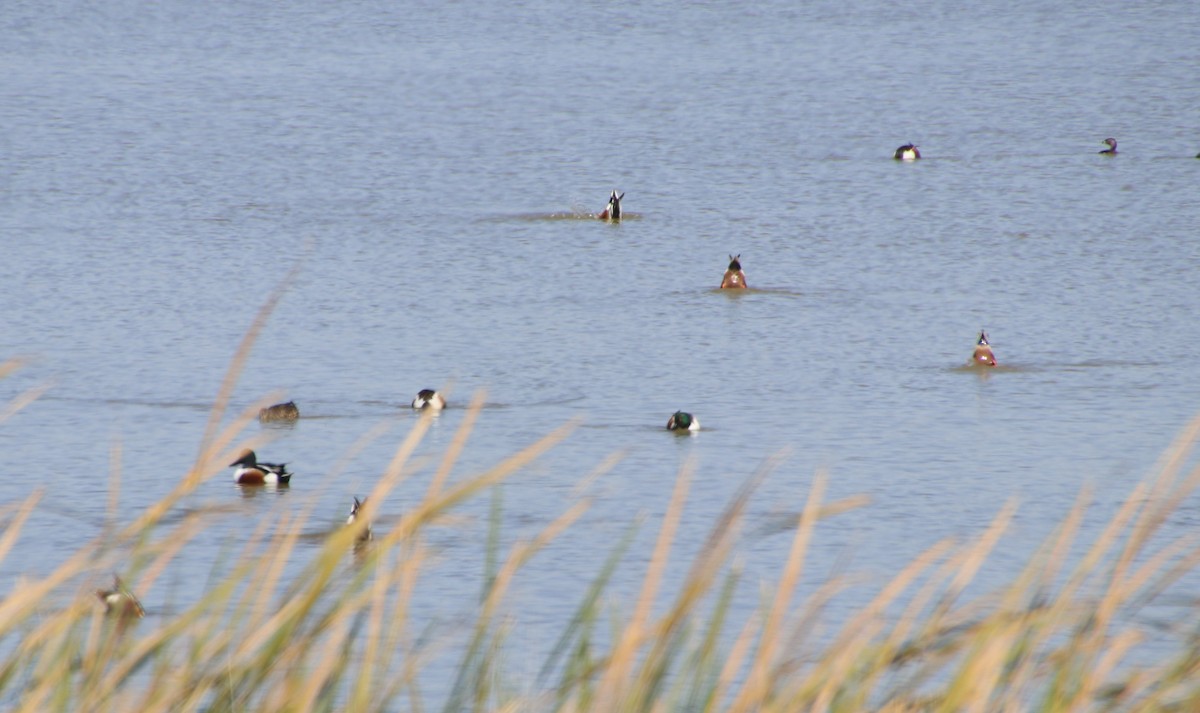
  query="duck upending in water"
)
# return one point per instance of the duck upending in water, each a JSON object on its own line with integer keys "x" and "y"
{"x": 120, "y": 602}
{"x": 907, "y": 152}
{"x": 983, "y": 355}
{"x": 251, "y": 472}
{"x": 366, "y": 531}
{"x": 613, "y": 211}
{"x": 1112, "y": 146}
{"x": 734, "y": 277}
{"x": 279, "y": 412}
{"x": 430, "y": 399}
{"x": 682, "y": 421}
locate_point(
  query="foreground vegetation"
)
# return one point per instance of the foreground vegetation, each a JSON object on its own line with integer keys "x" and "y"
{"x": 1062, "y": 635}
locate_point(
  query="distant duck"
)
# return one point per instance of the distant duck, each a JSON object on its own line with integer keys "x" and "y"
{"x": 430, "y": 399}
{"x": 983, "y": 355}
{"x": 1112, "y": 146}
{"x": 366, "y": 532}
{"x": 279, "y": 412}
{"x": 734, "y": 277}
{"x": 682, "y": 421}
{"x": 907, "y": 152}
{"x": 613, "y": 211}
{"x": 251, "y": 472}
{"x": 120, "y": 602}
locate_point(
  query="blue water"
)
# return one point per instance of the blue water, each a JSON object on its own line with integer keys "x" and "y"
{"x": 428, "y": 169}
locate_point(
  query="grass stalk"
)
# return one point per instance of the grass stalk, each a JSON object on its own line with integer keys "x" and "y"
{"x": 1064, "y": 633}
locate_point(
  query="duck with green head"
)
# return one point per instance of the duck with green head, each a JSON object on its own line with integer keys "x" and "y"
{"x": 682, "y": 421}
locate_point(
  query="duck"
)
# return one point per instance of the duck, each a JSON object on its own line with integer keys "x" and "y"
{"x": 682, "y": 421}
{"x": 734, "y": 277}
{"x": 907, "y": 152}
{"x": 612, "y": 212}
{"x": 251, "y": 472}
{"x": 430, "y": 399}
{"x": 1112, "y": 146}
{"x": 366, "y": 531}
{"x": 120, "y": 602}
{"x": 279, "y": 412}
{"x": 983, "y": 355}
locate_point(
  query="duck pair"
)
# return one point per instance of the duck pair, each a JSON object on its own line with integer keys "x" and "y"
{"x": 425, "y": 398}
{"x": 910, "y": 152}
{"x": 250, "y": 471}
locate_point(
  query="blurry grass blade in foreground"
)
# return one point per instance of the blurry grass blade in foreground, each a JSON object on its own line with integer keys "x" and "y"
{"x": 284, "y": 627}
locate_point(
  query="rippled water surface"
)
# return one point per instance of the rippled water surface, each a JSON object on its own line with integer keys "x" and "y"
{"x": 430, "y": 169}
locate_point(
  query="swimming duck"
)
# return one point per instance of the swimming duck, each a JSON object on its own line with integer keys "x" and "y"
{"x": 734, "y": 277}
{"x": 251, "y": 472}
{"x": 682, "y": 421}
{"x": 983, "y": 355}
{"x": 120, "y": 602}
{"x": 907, "y": 152}
{"x": 279, "y": 412}
{"x": 1112, "y": 146}
{"x": 430, "y": 399}
{"x": 366, "y": 532}
{"x": 613, "y": 211}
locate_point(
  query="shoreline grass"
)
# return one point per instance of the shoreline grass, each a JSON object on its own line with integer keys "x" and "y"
{"x": 1062, "y": 635}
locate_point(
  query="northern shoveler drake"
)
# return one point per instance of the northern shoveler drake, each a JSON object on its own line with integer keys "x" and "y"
{"x": 983, "y": 355}
{"x": 279, "y": 412}
{"x": 907, "y": 152}
{"x": 430, "y": 399}
{"x": 613, "y": 210}
{"x": 1112, "y": 146}
{"x": 366, "y": 532}
{"x": 734, "y": 277}
{"x": 120, "y": 602}
{"x": 251, "y": 472}
{"x": 682, "y": 421}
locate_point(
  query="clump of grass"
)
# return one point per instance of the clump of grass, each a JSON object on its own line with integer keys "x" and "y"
{"x": 341, "y": 636}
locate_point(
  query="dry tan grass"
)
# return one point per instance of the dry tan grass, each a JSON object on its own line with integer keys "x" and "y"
{"x": 341, "y": 635}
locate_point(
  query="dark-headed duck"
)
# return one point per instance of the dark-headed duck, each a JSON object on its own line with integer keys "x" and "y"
{"x": 907, "y": 152}
{"x": 682, "y": 421}
{"x": 251, "y": 472}
{"x": 983, "y": 355}
{"x": 734, "y": 277}
{"x": 612, "y": 212}
{"x": 430, "y": 399}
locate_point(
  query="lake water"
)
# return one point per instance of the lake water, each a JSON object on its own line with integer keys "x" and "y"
{"x": 429, "y": 167}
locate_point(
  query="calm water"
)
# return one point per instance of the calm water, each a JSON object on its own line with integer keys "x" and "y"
{"x": 162, "y": 168}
